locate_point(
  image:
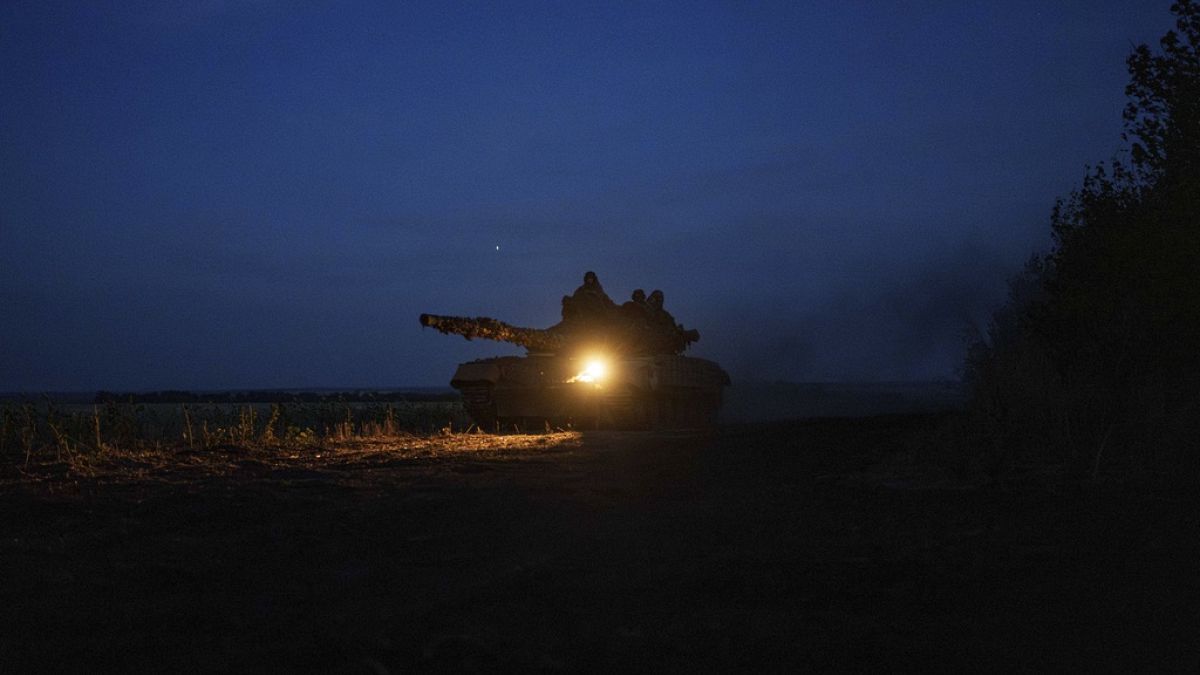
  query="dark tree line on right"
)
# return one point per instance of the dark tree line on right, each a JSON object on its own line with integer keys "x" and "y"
{"x": 1093, "y": 364}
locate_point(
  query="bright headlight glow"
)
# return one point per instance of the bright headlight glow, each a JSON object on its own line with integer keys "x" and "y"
{"x": 593, "y": 371}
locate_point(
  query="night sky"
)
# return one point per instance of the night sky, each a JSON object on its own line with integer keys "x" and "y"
{"x": 213, "y": 195}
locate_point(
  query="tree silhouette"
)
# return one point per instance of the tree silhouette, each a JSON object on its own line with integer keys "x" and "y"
{"x": 1097, "y": 358}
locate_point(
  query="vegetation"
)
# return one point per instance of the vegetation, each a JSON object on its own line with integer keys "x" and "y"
{"x": 50, "y": 431}
{"x": 1094, "y": 362}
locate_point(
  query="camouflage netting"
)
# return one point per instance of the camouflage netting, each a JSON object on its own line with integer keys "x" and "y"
{"x": 533, "y": 339}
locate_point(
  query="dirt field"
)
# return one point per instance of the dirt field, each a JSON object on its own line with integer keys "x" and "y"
{"x": 769, "y": 546}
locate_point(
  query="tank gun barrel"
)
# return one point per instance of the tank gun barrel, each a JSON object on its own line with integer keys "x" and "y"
{"x": 533, "y": 339}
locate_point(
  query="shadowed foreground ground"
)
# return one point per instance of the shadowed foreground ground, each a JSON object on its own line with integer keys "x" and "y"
{"x": 773, "y": 546}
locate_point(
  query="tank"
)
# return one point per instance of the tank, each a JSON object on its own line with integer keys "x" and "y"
{"x": 603, "y": 366}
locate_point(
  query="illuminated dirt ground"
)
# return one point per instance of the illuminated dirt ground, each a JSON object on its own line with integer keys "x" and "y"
{"x": 762, "y": 546}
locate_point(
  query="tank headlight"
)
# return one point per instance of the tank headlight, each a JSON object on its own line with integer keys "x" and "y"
{"x": 593, "y": 371}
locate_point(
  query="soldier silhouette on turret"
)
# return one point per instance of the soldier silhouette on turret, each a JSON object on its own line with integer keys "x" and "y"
{"x": 588, "y": 303}
{"x": 635, "y": 309}
{"x": 662, "y": 323}
{"x": 658, "y": 315}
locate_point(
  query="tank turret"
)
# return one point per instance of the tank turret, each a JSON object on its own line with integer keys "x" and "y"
{"x": 619, "y": 333}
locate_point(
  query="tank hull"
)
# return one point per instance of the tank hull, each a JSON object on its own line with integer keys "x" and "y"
{"x": 636, "y": 392}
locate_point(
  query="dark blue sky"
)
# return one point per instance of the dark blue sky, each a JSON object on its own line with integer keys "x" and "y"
{"x": 267, "y": 194}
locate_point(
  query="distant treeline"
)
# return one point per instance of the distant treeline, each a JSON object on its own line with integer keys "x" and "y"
{"x": 238, "y": 397}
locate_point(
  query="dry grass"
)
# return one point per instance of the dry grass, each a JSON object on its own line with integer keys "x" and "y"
{"x": 330, "y": 459}
{"x": 40, "y": 433}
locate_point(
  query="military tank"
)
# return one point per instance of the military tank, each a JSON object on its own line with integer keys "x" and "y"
{"x": 603, "y": 366}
